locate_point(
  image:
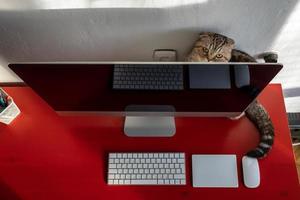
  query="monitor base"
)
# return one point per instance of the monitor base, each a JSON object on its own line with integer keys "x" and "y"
{"x": 149, "y": 126}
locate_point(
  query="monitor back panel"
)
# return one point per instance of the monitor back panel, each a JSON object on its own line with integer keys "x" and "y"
{"x": 73, "y": 87}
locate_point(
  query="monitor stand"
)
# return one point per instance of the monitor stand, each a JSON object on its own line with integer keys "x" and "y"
{"x": 150, "y": 125}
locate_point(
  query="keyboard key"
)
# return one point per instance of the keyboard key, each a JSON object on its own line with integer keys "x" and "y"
{"x": 112, "y": 166}
{"x": 144, "y": 182}
{"x": 112, "y": 155}
{"x": 111, "y": 176}
{"x": 112, "y": 171}
{"x": 179, "y": 176}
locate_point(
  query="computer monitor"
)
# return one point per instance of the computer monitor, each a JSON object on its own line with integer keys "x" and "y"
{"x": 207, "y": 89}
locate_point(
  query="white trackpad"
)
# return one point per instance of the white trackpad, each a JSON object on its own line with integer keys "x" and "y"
{"x": 218, "y": 171}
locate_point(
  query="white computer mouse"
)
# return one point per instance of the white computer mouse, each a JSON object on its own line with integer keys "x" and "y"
{"x": 251, "y": 172}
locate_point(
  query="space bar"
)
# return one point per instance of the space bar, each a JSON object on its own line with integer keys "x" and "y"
{"x": 144, "y": 182}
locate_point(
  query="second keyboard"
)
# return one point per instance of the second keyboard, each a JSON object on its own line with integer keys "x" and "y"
{"x": 148, "y": 77}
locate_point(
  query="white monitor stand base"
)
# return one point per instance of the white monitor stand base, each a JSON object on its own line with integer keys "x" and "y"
{"x": 149, "y": 126}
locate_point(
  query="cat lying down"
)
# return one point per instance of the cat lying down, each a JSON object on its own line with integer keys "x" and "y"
{"x": 213, "y": 47}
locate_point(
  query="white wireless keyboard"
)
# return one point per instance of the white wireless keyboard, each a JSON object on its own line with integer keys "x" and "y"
{"x": 146, "y": 169}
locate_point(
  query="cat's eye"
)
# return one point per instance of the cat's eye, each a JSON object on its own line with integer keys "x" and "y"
{"x": 219, "y": 55}
{"x": 205, "y": 50}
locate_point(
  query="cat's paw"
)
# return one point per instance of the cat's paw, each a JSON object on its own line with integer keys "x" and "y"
{"x": 269, "y": 57}
{"x": 237, "y": 117}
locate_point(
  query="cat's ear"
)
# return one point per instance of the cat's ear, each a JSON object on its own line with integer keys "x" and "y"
{"x": 230, "y": 41}
{"x": 204, "y": 34}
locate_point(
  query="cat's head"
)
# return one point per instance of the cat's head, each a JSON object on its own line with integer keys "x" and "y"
{"x": 211, "y": 47}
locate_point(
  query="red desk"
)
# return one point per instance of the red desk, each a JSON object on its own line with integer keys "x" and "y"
{"x": 46, "y": 156}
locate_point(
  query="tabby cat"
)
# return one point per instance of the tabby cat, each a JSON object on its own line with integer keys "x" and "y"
{"x": 213, "y": 47}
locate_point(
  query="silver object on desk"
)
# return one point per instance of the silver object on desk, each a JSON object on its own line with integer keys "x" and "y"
{"x": 146, "y": 169}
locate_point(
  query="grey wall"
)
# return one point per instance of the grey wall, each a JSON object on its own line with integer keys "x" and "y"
{"x": 103, "y": 34}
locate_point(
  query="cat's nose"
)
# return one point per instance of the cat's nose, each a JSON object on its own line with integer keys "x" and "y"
{"x": 210, "y": 57}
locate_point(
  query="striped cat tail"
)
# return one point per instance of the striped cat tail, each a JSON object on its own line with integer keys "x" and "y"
{"x": 269, "y": 57}
{"x": 260, "y": 118}
{"x": 263, "y": 148}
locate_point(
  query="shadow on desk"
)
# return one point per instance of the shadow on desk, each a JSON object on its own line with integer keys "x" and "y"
{"x": 7, "y": 193}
